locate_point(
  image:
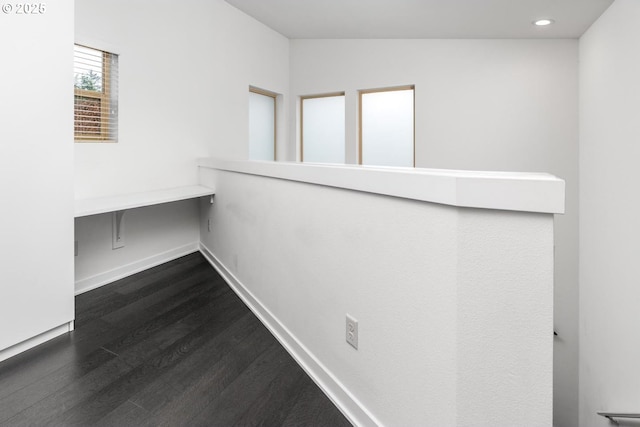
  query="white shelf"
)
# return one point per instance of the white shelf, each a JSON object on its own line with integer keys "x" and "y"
{"x": 120, "y": 202}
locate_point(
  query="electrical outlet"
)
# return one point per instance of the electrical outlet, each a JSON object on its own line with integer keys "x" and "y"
{"x": 352, "y": 332}
{"x": 209, "y": 225}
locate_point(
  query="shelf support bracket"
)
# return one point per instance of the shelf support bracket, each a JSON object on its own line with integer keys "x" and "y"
{"x": 117, "y": 229}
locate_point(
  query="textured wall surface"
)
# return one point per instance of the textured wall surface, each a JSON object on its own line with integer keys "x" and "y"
{"x": 609, "y": 209}
{"x": 454, "y": 305}
{"x": 509, "y": 105}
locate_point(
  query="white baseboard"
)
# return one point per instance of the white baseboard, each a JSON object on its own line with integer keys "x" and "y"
{"x": 126, "y": 270}
{"x": 355, "y": 412}
{"x": 37, "y": 340}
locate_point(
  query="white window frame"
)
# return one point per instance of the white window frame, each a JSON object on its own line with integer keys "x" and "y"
{"x": 302, "y": 99}
{"x": 256, "y": 90}
{"x": 386, "y": 89}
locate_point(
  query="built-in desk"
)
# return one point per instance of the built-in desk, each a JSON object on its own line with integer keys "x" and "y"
{"x": 118, "y": 204}
{"x": 121, "y": 202}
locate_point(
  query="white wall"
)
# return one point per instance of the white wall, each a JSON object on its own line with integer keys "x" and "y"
{"x": 185, "y": 72}
{"x": 36, "y": 172}
{"x": 480, "y": 105}
{"x": 609, "y": 211}
{"x": 454, "y": 305}
{"x": 153, "y": 235}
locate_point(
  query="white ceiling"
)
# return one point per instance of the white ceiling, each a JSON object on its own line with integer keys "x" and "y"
{"x": 337, "y": 19}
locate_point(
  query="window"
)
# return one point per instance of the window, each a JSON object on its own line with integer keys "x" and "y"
{"x": 322, "y": 119}
{"x": 387, "y": 127}
{"x": 262, "y": 124}
{"x": 96, "y": 95}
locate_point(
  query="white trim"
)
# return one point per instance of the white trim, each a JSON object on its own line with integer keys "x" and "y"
{"x": 514, "y": 191}
{"x": 126, "y": 270}
{"x": 35, "y": 341}
{"x": 355, "y": 412}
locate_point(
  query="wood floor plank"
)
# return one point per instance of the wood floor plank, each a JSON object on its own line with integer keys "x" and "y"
{"x": 149, "y": 359}
{"x": 176, "y": 360}
{"x": 195, "y": 335}
{"x": 146, "y": 329}
{"x": 144, "y": 278}
{"x": 273, "y": 405}
{"x": 103, "y": 306}
{"x": 31, "y": 366}
{"x": 128, "y": 387}
{"x": 169, "y": 344}
{"x": 213, "y": 380}
{"x": 161, "y": 392}
{"x": 173, "y": 345}
{"x": 151, "y": 276}
{"x": 168, "y": 327}
{"x": 135, "y": 318}
{"x": 97, "y": 405}
{"x": 196, "y": 366}
{"x": 237, "y": 397}
{"x": 190, "y": 285}
{"x": 126, "y": 415}
{"x": 313, "y": 408}
{"x": 153, "y": 397}
{"x": 33, "y": 393}
{"x": 54, "y": 406}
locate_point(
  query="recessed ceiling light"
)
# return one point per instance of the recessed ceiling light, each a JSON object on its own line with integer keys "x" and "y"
{"x": 543, "y": 22}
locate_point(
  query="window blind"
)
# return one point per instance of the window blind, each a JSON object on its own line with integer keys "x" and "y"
{"x": 96, "y": 95}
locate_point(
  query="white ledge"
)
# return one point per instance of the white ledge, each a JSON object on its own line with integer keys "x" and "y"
{"x": 120, "y": 202}
{"x": 514, "y": 191}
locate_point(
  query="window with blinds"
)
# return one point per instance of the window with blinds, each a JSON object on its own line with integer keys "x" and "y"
{"x": 96, "y": 95}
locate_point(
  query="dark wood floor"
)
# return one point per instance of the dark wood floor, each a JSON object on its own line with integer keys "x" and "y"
{"x": 172, "y": 345}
